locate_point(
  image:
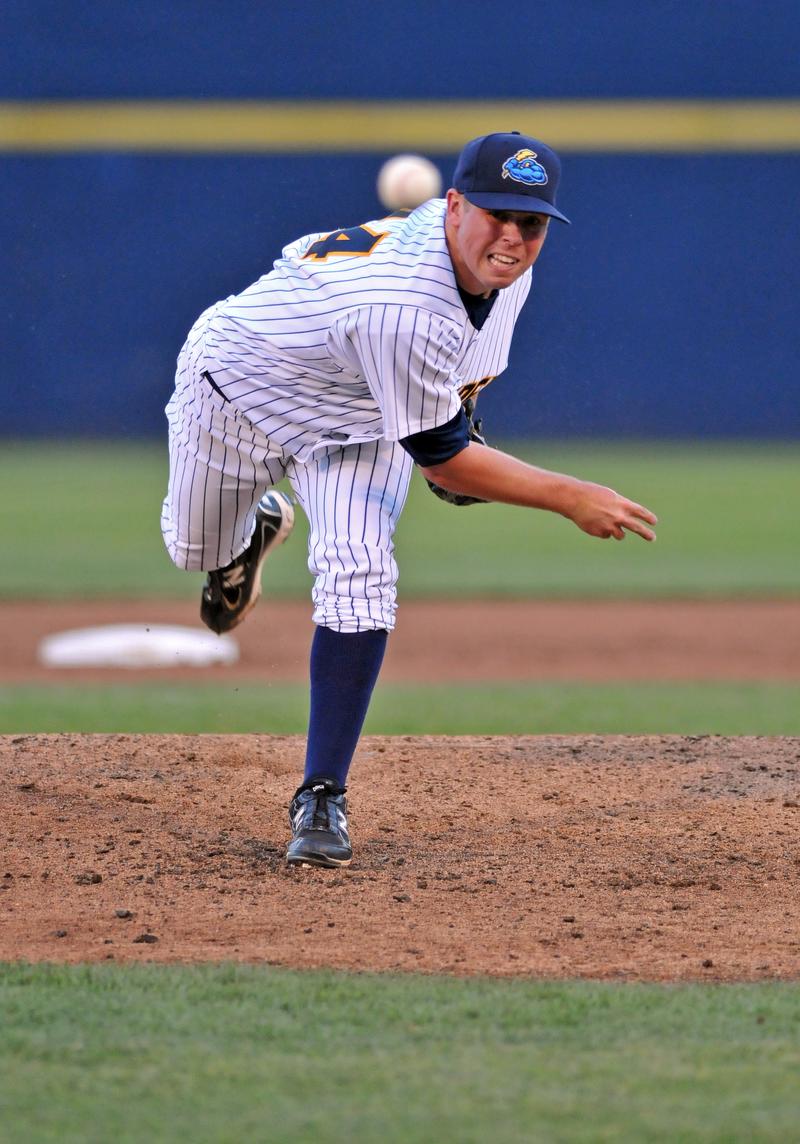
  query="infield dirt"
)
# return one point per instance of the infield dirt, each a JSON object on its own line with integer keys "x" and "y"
{"x": 654, "y": 858}
{"x": 651, "y": 858}
{"x": 461, "y": 640}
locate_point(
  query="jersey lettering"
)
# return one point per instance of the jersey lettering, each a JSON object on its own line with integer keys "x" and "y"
{"x": 355, "y": 240}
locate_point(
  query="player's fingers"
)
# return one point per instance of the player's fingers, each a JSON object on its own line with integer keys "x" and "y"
{"x": 633, "y": 524}
{"x": 636, "y": 519}
{"x": 643, "y": 513}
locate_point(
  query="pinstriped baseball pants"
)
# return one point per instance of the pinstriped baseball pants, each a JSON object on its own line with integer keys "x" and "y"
{"x": 352, "y": 495}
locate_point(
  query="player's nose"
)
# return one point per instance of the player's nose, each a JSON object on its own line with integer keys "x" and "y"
{"x": 510, "y": 231}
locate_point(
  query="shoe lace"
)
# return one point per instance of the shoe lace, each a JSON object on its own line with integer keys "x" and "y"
{"x": 319, "y": 812}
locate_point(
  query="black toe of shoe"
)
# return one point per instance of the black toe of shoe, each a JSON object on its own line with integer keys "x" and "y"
{"x": 319, "y": 848}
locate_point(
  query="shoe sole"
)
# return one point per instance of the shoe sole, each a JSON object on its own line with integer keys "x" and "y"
{"x": 276, "y": 540}
{"x": 313, "y": 860}
{"x": 287, "y": 524}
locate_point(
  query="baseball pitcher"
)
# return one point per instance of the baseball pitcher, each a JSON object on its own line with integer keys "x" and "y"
{"x": 359, "y": 355}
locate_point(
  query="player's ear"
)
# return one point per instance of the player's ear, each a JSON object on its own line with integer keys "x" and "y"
{"x": 455, "y": 204}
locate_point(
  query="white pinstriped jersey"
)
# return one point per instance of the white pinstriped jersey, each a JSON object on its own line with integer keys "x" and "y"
{"x": 357, "y": 335}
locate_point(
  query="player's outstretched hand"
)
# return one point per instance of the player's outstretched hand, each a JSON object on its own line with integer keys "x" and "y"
{"x": 492, "y": 475}
{"x": 602, "y": 512}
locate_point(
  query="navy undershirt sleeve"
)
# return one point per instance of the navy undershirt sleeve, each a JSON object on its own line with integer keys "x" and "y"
{"x": 435, "y": 446}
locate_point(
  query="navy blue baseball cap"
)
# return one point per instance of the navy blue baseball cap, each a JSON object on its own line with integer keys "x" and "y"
{"x": 509, "y": 172}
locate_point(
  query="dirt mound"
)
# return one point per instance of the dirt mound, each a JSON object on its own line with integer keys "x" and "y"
{"x": 653, "y": 858}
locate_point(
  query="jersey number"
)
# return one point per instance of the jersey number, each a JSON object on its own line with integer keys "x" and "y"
{"x": 356, "y": 240}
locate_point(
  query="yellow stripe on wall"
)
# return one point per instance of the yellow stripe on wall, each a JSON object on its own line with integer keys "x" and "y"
{"x": 263, "y": 126}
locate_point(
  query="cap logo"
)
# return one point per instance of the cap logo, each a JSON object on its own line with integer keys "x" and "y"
{"x": 523, "y": 168}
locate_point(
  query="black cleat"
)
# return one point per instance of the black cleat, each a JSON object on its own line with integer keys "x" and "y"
{"x": 231, "y": 592}
{"x": 318, "y": 815}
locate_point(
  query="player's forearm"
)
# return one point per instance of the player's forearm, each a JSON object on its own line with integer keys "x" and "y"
{"x": 496, "y": 476}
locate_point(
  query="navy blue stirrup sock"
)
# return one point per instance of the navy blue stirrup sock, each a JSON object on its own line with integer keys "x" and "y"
{"x": 344, "y": 668}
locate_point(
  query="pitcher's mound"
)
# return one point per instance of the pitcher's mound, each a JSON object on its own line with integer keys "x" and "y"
{"x": 655, "y": 857}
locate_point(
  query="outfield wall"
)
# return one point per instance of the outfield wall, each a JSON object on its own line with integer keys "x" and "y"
{"x": 668, "y": 308}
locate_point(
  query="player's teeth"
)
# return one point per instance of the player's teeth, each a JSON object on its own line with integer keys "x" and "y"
{"x": 502, "y": 259}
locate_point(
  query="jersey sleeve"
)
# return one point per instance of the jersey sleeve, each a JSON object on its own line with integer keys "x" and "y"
{"x": 407, "y": 357}
{"x": 435, "y": 446}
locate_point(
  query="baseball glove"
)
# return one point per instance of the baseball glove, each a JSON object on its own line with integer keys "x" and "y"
{"x": 474, "y": 432}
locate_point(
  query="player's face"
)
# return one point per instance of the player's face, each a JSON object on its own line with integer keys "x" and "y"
{"x": 491, "y": 249}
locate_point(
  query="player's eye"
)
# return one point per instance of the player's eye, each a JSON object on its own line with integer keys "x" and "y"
{"x": 532, "y": 227}
{"x": 529, "y": 227}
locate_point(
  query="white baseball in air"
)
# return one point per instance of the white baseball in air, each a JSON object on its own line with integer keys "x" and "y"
{"x": 405, "y": 181}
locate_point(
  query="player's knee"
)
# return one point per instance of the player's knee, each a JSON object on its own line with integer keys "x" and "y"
{"x": 345, "y": 614}
{"x": 187, "y": 557}
{"x": 184, "y": 554}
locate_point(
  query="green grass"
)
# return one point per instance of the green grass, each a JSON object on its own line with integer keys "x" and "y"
{"x": 474, "y": 709}
{"x": 84, "y": 521}
{"x": 229, "y": 1054}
